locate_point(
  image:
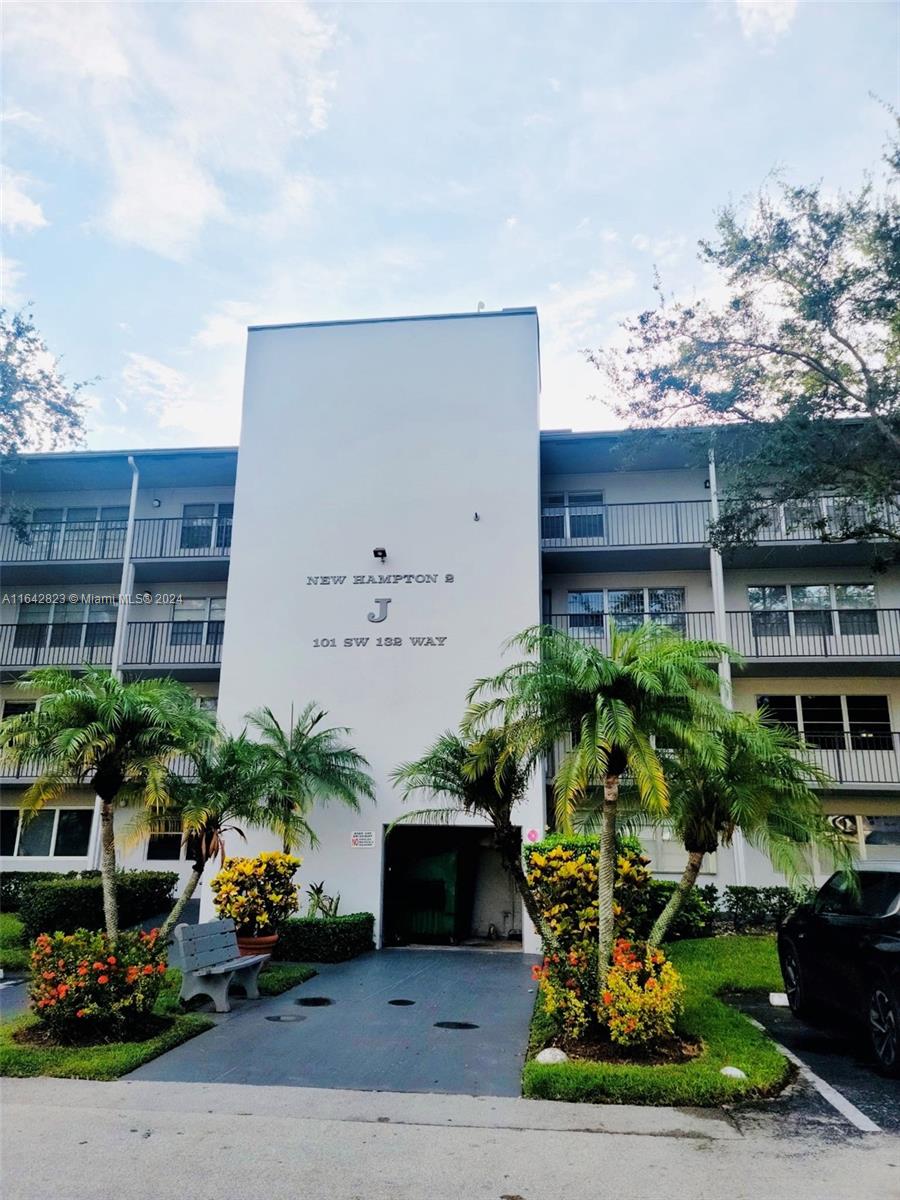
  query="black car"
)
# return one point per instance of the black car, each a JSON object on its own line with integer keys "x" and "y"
{"x": 840, "y": 954}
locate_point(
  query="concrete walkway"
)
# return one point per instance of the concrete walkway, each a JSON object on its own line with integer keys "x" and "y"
{"x": 363, "y": 1041}
{"x": 159, "y": 1141}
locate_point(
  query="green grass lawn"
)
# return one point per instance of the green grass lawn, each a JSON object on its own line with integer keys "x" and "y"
{"x": 13, "y": 947}
{"x": 708, "y": 966}
{"x": 118, "y": 1058}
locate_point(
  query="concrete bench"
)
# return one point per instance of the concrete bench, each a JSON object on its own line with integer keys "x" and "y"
{"x": 209, "y": 961}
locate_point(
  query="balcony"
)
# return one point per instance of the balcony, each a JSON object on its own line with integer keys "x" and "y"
{"x": 863, "y": 760}
{"x": 69, "y": 645}
{"x": 76, "y": 550}
{"x": 594, "y": 536}
{"x": 188, "y": 649}
{"x": 818, "y": 641}
{"x": 92, "y": 550}
{"x": 191, "y": 649}
{"x": 27, "y": 772}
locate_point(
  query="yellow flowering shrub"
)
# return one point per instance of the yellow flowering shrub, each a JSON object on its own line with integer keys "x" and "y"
{"x": 563, "y": 877}
{"x": 257, "y": 893}
{"x": 643, "y": 996}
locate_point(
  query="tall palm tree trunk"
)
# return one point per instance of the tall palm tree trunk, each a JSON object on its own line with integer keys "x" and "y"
{"x": 606, "y": 875}
{"x": 181, "y": 903}
{"x": 663, "y": 922}
{"x": 108, "y": 869}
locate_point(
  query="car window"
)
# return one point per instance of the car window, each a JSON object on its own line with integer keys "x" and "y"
{"x": 873, "y": 895}
{"x": 835, "y": 896}
{"x": 878, "y": 892}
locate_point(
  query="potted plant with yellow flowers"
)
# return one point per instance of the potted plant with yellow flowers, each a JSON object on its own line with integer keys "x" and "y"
{"x": 258, "y": 894}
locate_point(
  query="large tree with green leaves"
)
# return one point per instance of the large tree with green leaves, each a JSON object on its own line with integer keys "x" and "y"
{"x": 486, "y": 777}
{"x": 801, "y": 353}
{"x": 763, "y": 786}
{"x": 92, "y": 730}
{"x": 609, "y": 710}
{"x": 308, "y": 764}
{"x": 39, "y": 408}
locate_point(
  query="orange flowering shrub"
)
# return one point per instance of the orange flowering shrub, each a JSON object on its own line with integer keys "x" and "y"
{"x": 642, "y": 997}
{"x": 568, "y": 989}
{"x": 82, "y": 988}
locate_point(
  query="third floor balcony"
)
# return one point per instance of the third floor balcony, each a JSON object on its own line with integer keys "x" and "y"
{"x": 71, "y": 547}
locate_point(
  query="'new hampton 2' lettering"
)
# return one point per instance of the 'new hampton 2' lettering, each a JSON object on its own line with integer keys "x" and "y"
{"x": 337, "y": 580}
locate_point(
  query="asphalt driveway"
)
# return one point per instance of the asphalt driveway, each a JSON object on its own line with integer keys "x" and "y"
{"x": 363, "y": 1041}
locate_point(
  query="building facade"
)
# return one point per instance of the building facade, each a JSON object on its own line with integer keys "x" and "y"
{"x": 393, "y": 517}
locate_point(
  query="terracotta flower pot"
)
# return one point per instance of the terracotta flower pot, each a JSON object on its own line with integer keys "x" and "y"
{"x": 256, "y": 945}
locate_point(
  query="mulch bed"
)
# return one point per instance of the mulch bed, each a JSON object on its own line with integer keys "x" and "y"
{"x": 596, "y": 1049}
{"x": 43, "y": 1039}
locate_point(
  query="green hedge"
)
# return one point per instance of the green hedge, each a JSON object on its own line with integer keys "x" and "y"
{"x": 62, "y": 905}
{"x": 325, "y": 939}
{"x": 13, "y": 884}
{"x": 753, "y": 908}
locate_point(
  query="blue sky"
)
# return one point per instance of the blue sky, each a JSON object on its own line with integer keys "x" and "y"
{"x": 176, "y": 172}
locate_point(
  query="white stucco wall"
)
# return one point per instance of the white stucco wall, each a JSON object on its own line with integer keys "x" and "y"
{"x": 389, "y": 434}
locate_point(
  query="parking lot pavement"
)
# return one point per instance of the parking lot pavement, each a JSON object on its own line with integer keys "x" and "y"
{"x": 13, "y": 996}
{"x": 835, "y": 1056}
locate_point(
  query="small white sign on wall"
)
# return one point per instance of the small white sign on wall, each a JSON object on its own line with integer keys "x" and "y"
{"x": 362, "y": 839}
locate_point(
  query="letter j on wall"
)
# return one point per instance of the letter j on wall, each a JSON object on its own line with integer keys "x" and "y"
{"x": 381, "y": 611}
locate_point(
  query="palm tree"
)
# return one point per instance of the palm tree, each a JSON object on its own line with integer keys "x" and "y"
{"x": 762, "y": 786}
{"x": 307, "y": 765}
{"x": 651, "y": 684}
{"x": 226, "y": 792}
{"x": 90, "y": 728}
{"x": 484, "y": 777}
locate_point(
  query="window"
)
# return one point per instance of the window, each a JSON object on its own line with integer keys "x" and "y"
{"x": 15, "y": 708}
{"x": 629, "y": 607}
{"x": 586, "y": 610}
{"x": 208, "y": 703}
{"x": 197, "y": 621}
{"x": 572, "y": 515}
{"x": 810, "y": 609}
{"x": 225, "y": 516}
{"x": 881, "y": 838}
{"x": 834, "y": 722}
{"x": 31, "y": 626}
{"x": 164, "y": 843}
{"x": 9, "y": 827}
{"x": 196, "y": 526}
{"x": 198, "y": 523}
{"x": 111, "y": 531}
{"x": 50, "y": 833}
{"x": 101, "y": 625}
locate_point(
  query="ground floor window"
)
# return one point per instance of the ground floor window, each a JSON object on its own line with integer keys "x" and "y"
{"x": 167, "y": 842}
{"x": 877, "y": 838}
{"x": 667, "y": 854}
{"x": 50, "y": 833}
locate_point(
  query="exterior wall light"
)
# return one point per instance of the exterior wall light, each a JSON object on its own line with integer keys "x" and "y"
{"x": 380, "y": 553}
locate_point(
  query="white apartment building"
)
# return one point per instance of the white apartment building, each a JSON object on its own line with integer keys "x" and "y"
{"x": 255, "y": 579}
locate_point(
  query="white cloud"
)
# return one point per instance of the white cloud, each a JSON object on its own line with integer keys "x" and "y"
{"x": 178, "y": 104}
{"x": 177, "y": 402}
{"x": 765, "y": 21}
{"x": 226, "y": 327}
{"x": 20, "y": 213}
{"x": 11, "y": 278}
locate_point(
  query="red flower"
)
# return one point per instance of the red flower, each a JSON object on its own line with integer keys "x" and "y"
{"x": 62, "y": 991}
{"x": 148, "y": 970}
{"x": 161, "y": 968}
{"x": 112, "y": 960}
{"x": 607, "y": 997}
{"x": 80, "y": 1013}
{"x": 103, "y": 979}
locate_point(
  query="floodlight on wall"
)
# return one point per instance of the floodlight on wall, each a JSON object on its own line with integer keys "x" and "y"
{"x": 157, "y": 503}
{"x": 380, "y": 553}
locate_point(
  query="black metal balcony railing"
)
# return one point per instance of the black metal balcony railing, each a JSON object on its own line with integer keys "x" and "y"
{"x": 594, "y": 627}
{"x": 810, "y": 520}
{"x": 663, "y": 523}
{"x": 72, "y": 541}
{"x": 856, "y": 758}
{"x": 25, "y": 646}
{"x": 25, "y": 772}
{"x": 172, "y": 643}
{"x": 178, "y": 537}
{"x": 816, "y": 633}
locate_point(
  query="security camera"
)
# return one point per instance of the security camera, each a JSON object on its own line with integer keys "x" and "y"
{"x": 380, "y": 552}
